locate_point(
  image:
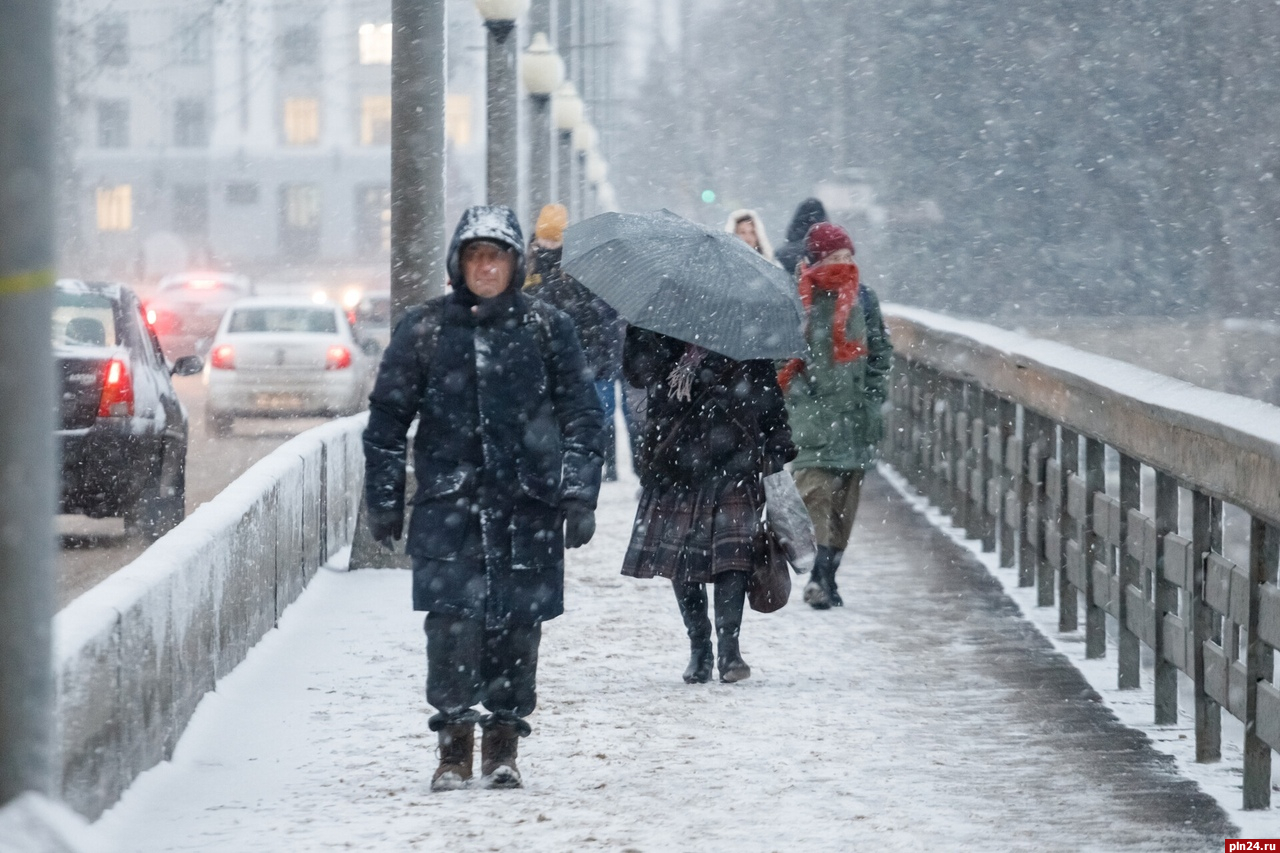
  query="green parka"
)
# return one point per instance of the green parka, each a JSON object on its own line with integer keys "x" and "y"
{"x": 834, "y": 409}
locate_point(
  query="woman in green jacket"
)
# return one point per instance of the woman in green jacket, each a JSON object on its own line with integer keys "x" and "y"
{"x": 834, "y": 398}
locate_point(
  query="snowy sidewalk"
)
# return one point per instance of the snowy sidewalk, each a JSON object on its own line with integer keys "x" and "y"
{"x": 925, "y": 715}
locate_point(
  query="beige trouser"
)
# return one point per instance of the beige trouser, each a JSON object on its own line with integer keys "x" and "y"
{"x": 831, "y": 497}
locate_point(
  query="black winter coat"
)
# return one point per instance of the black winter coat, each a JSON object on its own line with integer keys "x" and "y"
{"x": 598, "y": 326}
{"x": 733, "y": 427}
{"x": 509, "y": 430}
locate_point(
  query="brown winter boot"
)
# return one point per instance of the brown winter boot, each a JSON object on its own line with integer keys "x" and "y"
{"x": 498, "y": 746}
{"x": 457, "y": 753}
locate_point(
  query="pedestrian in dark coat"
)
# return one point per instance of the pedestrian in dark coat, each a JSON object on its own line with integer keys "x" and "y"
{"x": 808, "y": 214}
{"x": 507, "y": 460}
{"x": 598, "y": 326}
{"x": 715, "y": 427}
{"x": 834, "y": 399}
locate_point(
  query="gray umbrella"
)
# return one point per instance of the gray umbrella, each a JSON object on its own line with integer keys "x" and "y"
{"x": 661, "y": 272}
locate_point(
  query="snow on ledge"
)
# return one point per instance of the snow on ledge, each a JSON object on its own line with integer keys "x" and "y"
{"x": 87, "y": 616}
{"x": 1223, "y": 414}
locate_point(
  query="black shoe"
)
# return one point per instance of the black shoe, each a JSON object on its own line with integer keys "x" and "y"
{"x": 731, "y": 593}
{"x": 692, "y": 599}
{"x": 833, "y": 563}
{"x": 732, "y": 667}
{"x": 701, "y": 659}
{"x": 817, "y": 592}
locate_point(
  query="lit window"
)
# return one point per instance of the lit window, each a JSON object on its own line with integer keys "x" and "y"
{"x": 375, "y": 120}
{"x": 301, "y": 121}
{"x": 115, "y": 208}
{"x": 375, "y": 44}
{"x": 457, "y": 119}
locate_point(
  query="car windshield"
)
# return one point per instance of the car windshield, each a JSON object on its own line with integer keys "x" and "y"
{"x": 283, "y": 319}
{"x": 83, "y": 320}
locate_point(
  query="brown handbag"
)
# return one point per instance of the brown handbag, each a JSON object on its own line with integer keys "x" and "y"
{"x": 769, "y": 585}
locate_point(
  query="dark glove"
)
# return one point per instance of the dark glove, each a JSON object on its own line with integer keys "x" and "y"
{"x": 579, "y": 524}
{"x": 386, "y": 525}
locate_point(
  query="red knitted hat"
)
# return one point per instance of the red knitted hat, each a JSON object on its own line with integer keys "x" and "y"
{"x": 824, "y": 238}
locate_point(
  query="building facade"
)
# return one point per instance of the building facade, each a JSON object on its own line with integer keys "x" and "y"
{"x": 251, "y": 135}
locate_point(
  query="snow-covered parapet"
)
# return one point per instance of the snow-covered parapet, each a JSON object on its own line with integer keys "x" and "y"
{"x": 135, "y": 654}
{"x": 1224, "y": 445}
{"x": 32, "y": 823}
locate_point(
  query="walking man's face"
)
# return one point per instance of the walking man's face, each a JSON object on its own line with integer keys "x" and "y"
{"x": 487, "y": 267}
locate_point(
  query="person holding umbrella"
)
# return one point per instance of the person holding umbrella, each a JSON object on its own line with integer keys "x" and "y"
{"x": 715, "y": 428}
{"x": 834, "y": 398}
{"x": 708, "y": 315}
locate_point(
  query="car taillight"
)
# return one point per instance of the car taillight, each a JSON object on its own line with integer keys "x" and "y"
{"x": 338, "y": 358}
{"x": 117, "y": 391}
{"x": 151, "y": 316}
{"x": 223, "y": 357}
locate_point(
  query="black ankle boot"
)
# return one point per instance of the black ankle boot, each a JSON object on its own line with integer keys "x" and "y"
{"x": 833, "y": 563}
{"x": 731, "y": 592}
{"x": 817, "y": 592}
{"x": 692, "y": 599}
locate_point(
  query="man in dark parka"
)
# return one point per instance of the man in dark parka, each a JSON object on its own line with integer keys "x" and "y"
{"x": 507, "y": 458}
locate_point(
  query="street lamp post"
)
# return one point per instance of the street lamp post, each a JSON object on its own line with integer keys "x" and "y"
{"x": 502, "y": 163}
{"x": 566, "y": 115}
{"x": 543, "y": 73}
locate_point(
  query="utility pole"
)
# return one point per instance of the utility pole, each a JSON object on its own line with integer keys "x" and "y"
{"x": 28, "y": 472}
{"x": 418, "y": 81}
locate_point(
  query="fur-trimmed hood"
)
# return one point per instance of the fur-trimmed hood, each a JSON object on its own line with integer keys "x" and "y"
{"x": 766, "y": 248}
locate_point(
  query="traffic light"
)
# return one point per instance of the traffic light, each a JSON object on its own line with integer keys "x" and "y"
{"x": 709, "y": 196}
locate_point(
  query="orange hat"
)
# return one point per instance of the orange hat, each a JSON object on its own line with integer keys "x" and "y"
{"x": 551, "y": 223}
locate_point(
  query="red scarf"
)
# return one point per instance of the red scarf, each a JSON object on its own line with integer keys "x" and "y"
{"x": 842, "y": 280}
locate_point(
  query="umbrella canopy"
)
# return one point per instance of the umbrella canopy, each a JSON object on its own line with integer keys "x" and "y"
{"x": 661, "y": 272}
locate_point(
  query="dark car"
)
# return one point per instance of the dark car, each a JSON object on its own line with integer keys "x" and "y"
{"x": 122, "y": 430}
{"x": 187, "y": 307}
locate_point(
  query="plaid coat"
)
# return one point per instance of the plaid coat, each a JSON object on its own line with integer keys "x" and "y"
{"x": 702, "y": 460}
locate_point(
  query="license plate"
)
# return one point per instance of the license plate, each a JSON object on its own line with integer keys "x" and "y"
{"x": 278, "y": 401}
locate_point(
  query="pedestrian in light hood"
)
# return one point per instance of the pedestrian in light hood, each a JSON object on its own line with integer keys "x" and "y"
{"x": 834, "y": 398}
{"x": 507, "y": 460}
{"x": 746, "y": 224}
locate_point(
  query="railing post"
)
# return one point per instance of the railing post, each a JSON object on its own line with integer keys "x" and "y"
{"x": 1206, "y": 532}
{"x": 959, "y": 455}
{"x": 1166, "y": 601}
{"x": 945, "y": 467}
{"x": 1264, "y": 547}
{"x": 1068, "y": 599}
{"x": 992, "y": 463}
{"x": 1039, "y": 440}
{"x": 1130, "y": 647}
{"x": 1008, "y": 496}
{"x": 1095, "y": 480}
{"x": 975, "y": 462}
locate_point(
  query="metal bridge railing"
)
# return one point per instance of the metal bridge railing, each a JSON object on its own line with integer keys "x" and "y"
{"x": 1116, "y": 492}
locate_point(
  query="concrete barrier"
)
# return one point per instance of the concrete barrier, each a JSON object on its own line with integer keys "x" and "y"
{"x": 137, "y": 653}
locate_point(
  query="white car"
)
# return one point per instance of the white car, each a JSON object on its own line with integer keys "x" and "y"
{"x": 284, "y": 358}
